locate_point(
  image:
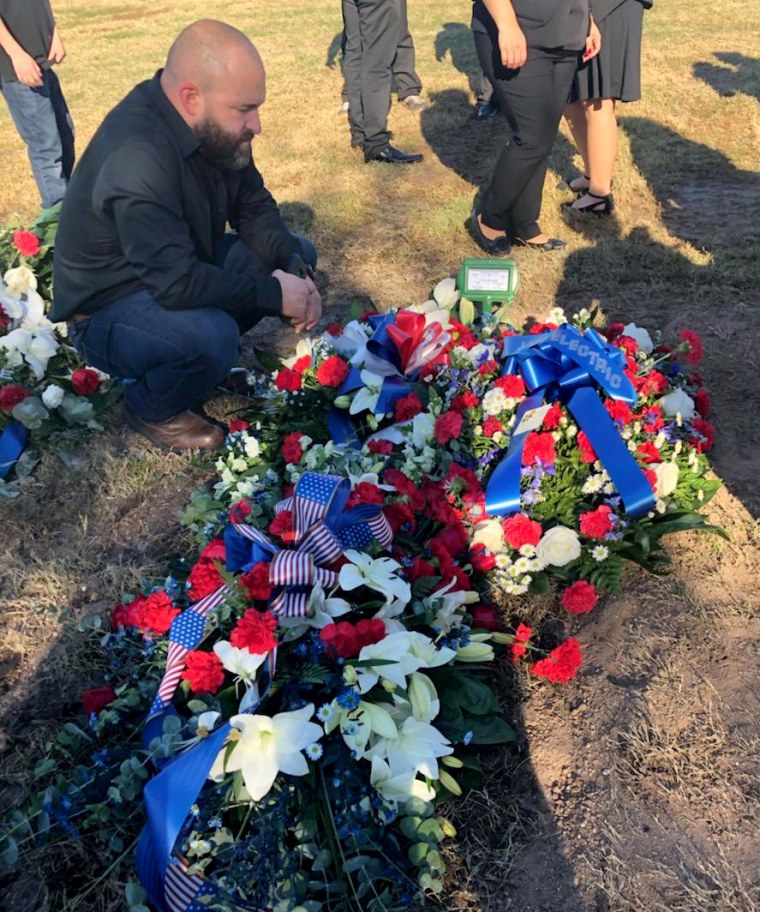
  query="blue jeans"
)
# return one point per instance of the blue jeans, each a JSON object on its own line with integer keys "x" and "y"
{"x": 44, "y": 123}
{"x": 175, "y": 357}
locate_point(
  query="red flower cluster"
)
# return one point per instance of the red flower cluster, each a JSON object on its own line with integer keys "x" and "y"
{"x": 696, "y": 351}
{"x": 649, "y": 452}
{"x": 518, "y": 648}
{"x": 561, "y": 664}
{"x": 539, "y": 447}
{"x": 520, "y": 530}
{"x": 255, "y": 632}
{"x": 407, "y": 407}
{"x": 580, "y": 597}
{"x": 486, "y": 617}
{"x": 365, "y": 493}
{"x": 512, "y": 386}
{"x": 481, "y": 559}
{"x": 291, "y": 448}
{"x": 348, "y": 640}
{"x": 492, "y": 426}
{"x": 282, "y": 526}
{"x": 97, "y": 698}
{"x": 256, "y": 582}
{"x": 203, "y": 671}
{"x": 153, "y": 613}
{"x": 597, "y": 523}
{"x": 237, "y": 424}
{"x": 85, "y": 381}
{"x": 332, "y": 372}
{"x": 619, "y": 411}
{"x": 588, "y": 453}
{"x": 447, "y": 426}
{"x": 288, "y": 380}
{"x": 11, "y": 395}
{"x": 706, "y": 431}
{"x": 465, "y": 400}
{"x": 702, "y": 402}
{"x": 26, "y": 242}
{"x": 552, "y": 417}
{"x": 204, "y": 578}
{"x": 382, "y": 447}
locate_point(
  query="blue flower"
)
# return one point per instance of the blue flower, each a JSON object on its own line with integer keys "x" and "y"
{"x": 348, "y": 698}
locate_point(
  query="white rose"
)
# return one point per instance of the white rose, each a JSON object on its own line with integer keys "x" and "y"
{"x": 53, "y": 396}
{"x": 558, "y": 547}
{"x": 490, "y": 534}
{"x": 19, "y": 281}
{"x": 640, "y": 336}
{"x": 677, "y": 402}
{"x": 667, "y": 478}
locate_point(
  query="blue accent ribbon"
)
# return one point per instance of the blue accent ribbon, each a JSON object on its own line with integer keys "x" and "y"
{"x": 566, "y": 365}
{"x": 12, "y": 444}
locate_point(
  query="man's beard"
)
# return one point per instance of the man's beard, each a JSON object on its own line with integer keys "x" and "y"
{"x": 221, "y": 148}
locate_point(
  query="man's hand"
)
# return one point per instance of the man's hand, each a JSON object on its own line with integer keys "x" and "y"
{"x": 57, "y": 50}
{"x": 593, "y": 43}
{"x": 300, "y": 300}
{"x": 27, "y": 69}
{"x": 512, "y": 46}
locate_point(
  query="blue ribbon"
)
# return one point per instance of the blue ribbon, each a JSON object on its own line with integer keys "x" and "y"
{"x": 565, "y": 365}
{"x": 12, "y": 444}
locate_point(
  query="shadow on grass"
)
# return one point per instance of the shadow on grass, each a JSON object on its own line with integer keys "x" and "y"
{"x": 455, "y": 40}
{"x": 739, "y": 76}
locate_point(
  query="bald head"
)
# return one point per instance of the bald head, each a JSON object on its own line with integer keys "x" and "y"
{"x": 209, "y": 51}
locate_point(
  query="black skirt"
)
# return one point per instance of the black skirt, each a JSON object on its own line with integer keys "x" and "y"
{"x": 616, "y": 70}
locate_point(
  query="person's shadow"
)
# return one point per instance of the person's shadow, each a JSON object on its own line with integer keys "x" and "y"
{"x": 711, "y": 205}
{"x": 739, "y": 76}
{"x": 335, "y": 50}
{"x": 455, "y": 40}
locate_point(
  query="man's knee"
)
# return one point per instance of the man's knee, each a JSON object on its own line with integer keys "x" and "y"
{"x": 212, "y": 341}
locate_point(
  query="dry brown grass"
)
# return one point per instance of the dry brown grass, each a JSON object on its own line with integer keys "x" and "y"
{"x": 637, "y": 787}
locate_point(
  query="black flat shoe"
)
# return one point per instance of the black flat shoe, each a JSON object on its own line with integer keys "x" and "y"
{"x": 393, "y": 156}
{"x": 485, "y": 112}
{"x": 597, "y": 205}
{"x": 499, "y": 246}
{"x": 547, "y": 246}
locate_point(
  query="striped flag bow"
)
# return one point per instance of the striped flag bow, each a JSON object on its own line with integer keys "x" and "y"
{"x": 323, "y": 530}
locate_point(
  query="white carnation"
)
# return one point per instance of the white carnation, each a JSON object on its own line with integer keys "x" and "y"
{"x": 53, "y": 396}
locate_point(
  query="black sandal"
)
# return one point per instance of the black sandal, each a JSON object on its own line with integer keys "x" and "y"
{"x": 600, "y": 205}
{"x": 567, "y": 183}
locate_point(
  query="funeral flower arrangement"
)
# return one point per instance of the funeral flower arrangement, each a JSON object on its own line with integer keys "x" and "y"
{"x": 45, "y": 389}
{"x": 312, "y": 690}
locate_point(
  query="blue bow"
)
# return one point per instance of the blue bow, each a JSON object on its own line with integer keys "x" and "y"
{"x": 565, "y": 365}
{"x": 12, "y": 443}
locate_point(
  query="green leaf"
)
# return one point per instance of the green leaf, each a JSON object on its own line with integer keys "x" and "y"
{"x": 268, "y": 359}
{"x": 44, "y": 767}
{"x": 417, "y": 853}
{"x": 409, "y": 826}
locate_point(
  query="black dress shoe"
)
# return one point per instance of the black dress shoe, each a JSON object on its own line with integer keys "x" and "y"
{"x": 499, "y": 246}
{"x": 485, "y": 112}
{"x": 393, "y": 156}
{"x": 546, "y": 246}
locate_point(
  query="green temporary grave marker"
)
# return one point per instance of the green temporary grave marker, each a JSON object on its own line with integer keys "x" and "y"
{"x": 488, "y": 282}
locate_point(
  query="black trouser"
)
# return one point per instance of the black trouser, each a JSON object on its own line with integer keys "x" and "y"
{"x": 368, "y": 74}
{"x": 532, "y": 98}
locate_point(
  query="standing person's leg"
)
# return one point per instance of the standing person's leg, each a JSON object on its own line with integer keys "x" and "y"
{"x": 378, "y": 26}
{"x": 601, "y": 152}
{"x": 35, "y": 119}
{"x": 407, "y": 82}
{"x": 352, "y": 70}
{"x": 575, "y": 115}
{"x": 65, "y": 124}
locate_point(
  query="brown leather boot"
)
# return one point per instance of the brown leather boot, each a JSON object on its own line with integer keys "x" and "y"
{"x": 186, "y": 431}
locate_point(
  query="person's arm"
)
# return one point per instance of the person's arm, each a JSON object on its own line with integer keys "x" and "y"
{"x": 513, "y": 48}
{"x": 26, "y": 67}
{"x": 139, "y": 191}
{"x": 57, "y": 52}
{"x": 257, "y": 220}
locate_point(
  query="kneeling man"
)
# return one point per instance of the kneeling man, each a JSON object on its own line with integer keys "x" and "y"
{"x": 154, "y": 288}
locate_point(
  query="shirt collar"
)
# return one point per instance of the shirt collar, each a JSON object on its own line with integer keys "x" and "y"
{"x": 188, "y": 142}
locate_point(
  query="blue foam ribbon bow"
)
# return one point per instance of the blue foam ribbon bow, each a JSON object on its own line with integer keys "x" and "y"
{"x": 566, "y": 365}
{"x": 12, "y": 444}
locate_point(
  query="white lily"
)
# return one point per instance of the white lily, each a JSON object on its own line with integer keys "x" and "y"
{"x": 19, "y": 281}
{"x": 244, "y": 665}
{"x": 36, "y": 349}
{"x": 423, "y": 697}
{"x": 394, "y": 648}
{"x": 424, "y": 649}
{"x": 304, "y": 347}
{"x": 416, "y": 748}
{"x": 399, "y": 787}
{"x": 477, "y": 650}
{"x": 366, "y": 398}
{"x": 207, "y": 722}
{"x": 449, "y": 605}
{"x": 640, "y": 336}
{"x": 267, "y": 746}
{"x": 379, "y": 574}
{"x": 321, "y": 612}
{"x": 352, "y": 342}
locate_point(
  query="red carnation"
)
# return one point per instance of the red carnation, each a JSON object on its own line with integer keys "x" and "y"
{"x": 492, "y": 426}
{"x": 370, "y": 631}
{"x": 552, "y": 418}
{"x": 129, "y": 615}
{"x": 97, "y": 698}
{"x": 157, "y": 612}
{"x": 695, "y": 351}
{"x": 453, "y": 538}
{"x": 380, "y": 447}
{"x": 302, "y": 364}
{"x": 282, "y": 526}
{"x": 26, "y": 242}
{"x": 539, "y": 447}
{"x": 255, "y": 632}
{"x": 487, "y": 367}
{"x": 400, "y": 516}
{"x": 561, "y": 664}
{"x": 512, "y": 386}
{"x": 291, "y": 448}
{"x": 469, "y": 478}
{"x": 705, "y": 430}
{"x": 239, "y": 512}
{"x": 481, "y": 559}
{"x": 580, "y": 597}
{"x": 407, "y": 407}
{"x": 203, "y": 671}
{"x": 518, "y": 647}
{"x": 341, "y": 638}
{"x": 419, "y": 569}
{"x": 627, "y": 344}
{"x": 588, "y": 453}
{"x": 214, "y": 550}
{"x": 649, "y": 452}
{"x": 597, "y": 523}
{"x": 619, "y": 411}
{"x": 256, "y": 582}
{"x": 288, "y": 379}
{"x": 85, "y": 381}
{"x": 486, "y": 617}
{"x": 651, "y": 418}
{"x": 365, "y": 493}
{"x": 333, "y": 371}
{"x": 447, "y": 426}
{"x": 653, "y": 383}
{"x": 237, "y": 424}
{"x": 204, "y": 579}
{"x": 651, "y": 477}
{"x": 465, "y": 400}
{"x": 614, "y": 330}
{"x": 334, "y": 329}
{"x": 520, "y": 530}
{"x": 11, "y": 395}
{"x": 702, "y": 402}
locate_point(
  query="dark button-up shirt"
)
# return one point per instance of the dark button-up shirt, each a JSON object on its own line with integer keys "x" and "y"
{"x": 143, "y": 211}
{"x": 545, "y": 23}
